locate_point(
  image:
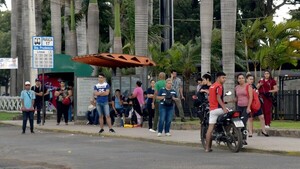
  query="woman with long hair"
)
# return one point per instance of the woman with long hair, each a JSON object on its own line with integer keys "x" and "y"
{"x": 259, "y": 114}
{"x": 244, "y": 100}
{"x": 267, "y": 87}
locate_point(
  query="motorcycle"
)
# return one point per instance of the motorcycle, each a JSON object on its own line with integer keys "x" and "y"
{"x": 227, "y": 129}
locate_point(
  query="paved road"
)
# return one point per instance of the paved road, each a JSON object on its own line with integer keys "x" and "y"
{"x": 44, "y": 150}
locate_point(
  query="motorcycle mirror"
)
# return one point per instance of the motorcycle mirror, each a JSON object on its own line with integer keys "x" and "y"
{"x": 228, "y": 93}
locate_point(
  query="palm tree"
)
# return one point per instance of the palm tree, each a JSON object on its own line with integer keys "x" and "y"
{"x": 141, "y": 35}
{"x": 280, "y": 45}
{"x": 252, "y": 33}
{"x": 25, "y": 57}
{"x": 70, "y": 28}
{"x": 117, "y": 44}
{"x": 38, "y": 17}
{"x": 228, "y": 16}
{"x": 81, "y": 31}
{"x": 14, "y": 39}
{"x": 206, "y": 25}
{"x": 93, "y": 30}
{"x": 55, "y": 7}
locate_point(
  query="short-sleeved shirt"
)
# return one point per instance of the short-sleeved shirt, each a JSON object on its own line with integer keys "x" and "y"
{"x": 163, "y": 92}
{"x": 159, "y": 85}
{"x": 27, "y": 96}
{"x": 139, "y": 93}
{"x": 102, "y": 87}
{"x": 214, "y": 90}
{"x": 63, "y": 94}
{"x": 150, "y": 91}
{"x": 176, "y": 84}
{"x": 242, "y": 95}
{"x": 201, "y": 95}
{"x": 38, "y": 90}
{"x": 117, "y": 101}
{"x": 267, "y": 85}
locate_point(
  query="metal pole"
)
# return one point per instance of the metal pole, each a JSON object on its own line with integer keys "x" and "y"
{"x": 43, "y": 99}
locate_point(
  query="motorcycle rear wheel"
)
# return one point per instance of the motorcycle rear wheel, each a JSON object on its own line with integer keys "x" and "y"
{"x": 234, "y": 138}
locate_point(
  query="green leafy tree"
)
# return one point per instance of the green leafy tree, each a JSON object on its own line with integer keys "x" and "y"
{"x": 5, "y": 34}
{"x": 281, "y": 44}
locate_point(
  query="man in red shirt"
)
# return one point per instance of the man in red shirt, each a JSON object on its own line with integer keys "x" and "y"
{"x": 217, "y": 106}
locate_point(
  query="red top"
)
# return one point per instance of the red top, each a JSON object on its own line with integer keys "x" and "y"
{"x": 267, "y": 85}
{"x": 214, "y": 90}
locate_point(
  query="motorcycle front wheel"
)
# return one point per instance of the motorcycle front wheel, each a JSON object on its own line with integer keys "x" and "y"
{"x": 234, "y": 138}
{"x": 203, "y": 131}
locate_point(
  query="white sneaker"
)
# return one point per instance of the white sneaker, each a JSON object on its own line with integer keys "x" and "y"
{"x": 151, "y": 130}
{"x": 159, "y": 134}
{"x": 168, "y": 134}
{"x": 267, "y": 127}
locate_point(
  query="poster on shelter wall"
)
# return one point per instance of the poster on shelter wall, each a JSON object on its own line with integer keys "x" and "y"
{"x": 8, "y": 63}
{"x": 84, "y": 88}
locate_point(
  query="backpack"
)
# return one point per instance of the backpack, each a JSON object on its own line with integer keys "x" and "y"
{"x": 255, "y": 105}
{"x": 168, "y": 100}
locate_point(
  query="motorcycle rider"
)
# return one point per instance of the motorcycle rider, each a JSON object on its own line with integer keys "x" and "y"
{"x": 217, "y": 106}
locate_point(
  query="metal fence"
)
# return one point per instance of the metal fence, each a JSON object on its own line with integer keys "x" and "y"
{"x": 8, "y": 103}
{"x": 288, "y": 105}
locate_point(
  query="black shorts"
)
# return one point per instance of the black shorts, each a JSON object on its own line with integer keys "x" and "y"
{"x": 258, "y": 113}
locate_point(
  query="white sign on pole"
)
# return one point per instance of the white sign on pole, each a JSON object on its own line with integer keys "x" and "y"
{"x": 42, "y": 51}
{"x": 8, "y": 63}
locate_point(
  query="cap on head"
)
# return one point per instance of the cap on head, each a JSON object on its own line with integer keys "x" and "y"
{"x": 37, "y": 80}
{"x": 27, "y": 83}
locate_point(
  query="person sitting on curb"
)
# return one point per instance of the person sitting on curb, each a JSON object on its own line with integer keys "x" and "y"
{"x": 92, "y": 114}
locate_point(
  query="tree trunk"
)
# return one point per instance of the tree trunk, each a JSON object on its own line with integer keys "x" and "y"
{"x": 26, "y": 58}
{"x": 67, "y": 32}
{"x": 73, "y": 29}
{"x": 93, "y": 31}
{"x": 70, "y": 30}
{"x": 117, "y": 45}
{"x": 81, "y": 32}
{"x": 228, "y": 22}
{"x": 38, "y": 17}
{"x": 246, "y": 54}
{"x": 55, "y": 7}
{"x": 141, "y": 36}
{"x": 15, "y": 13}
{"x": 206, "y": 25}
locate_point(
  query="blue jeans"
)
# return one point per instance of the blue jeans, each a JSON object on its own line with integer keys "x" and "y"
{"x": 103, "y": 109}
{"x": 70, "y": 113}
{"x": 27, "y": 115}
{"x": 165, "y": 118}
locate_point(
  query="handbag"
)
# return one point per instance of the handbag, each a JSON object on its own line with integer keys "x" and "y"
{"x": 66, "y": 101}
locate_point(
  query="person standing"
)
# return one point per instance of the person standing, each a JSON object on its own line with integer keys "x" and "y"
{"x": 216, "y": 106}
{"x": 259, "y": 114}
{"x": 177, "y": 86}
{"x": 138, "y": 94}
{"x": 70, "y": 111}
{"x": 167, "y": 97}
{"x": 267, "y": 87}
{"x": 63, "y": 93}
{"x": 27, "y": 101}
{"x": 38, "y": 103}
{"x": 150, "y": 94}
{"x": 199, "y": 85}
{"x": 244, "y": 100}
{"x": 101, "y": 91}
{"x": 155, "y": 103}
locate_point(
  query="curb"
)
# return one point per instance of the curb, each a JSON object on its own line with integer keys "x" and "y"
{"x": 178, "y": 143}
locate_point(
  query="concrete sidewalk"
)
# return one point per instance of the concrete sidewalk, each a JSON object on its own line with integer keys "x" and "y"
{"x": 277, "y": 145}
